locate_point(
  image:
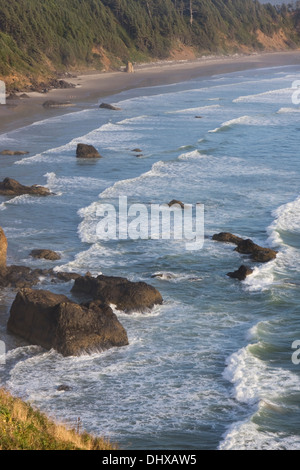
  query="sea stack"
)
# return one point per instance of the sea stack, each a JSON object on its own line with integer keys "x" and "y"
{"x": 3, "y": 250}
{"x": 129, "y": 68}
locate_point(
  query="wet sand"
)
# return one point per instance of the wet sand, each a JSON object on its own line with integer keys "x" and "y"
{"x": 92, "y": 87}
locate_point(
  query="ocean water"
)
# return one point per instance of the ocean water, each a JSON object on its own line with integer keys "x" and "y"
{"x": 212, "y": 367}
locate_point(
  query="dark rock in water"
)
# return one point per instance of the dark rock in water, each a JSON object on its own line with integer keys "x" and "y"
{"x": 45, "y": 254}
{"x": 87, "y": 151}
{"x": 198, "y": 117}
{"x": 137, "y": 150}
{"x": 125, "y": 295}
{"x": 241, "y": 273}
{"x": 174, "y": 202}
{"x": 18, "y": 277}
{"x": 258, "y": 253}
{"x": 247, "y": 247}
{"x": 109, "y": 106}
{"x": 13, "y": 152}
{"x": 57, "y": 104}
{"x": 53, "y": 321}
{"x": 10, "y": 187}
{"x": 64, "y": 388}
{"x": 227, "y": 238}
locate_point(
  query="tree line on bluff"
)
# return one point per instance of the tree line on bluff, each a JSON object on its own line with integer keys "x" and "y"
{"x": 37, "y": 35}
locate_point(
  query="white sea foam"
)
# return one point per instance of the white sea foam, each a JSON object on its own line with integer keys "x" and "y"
{"x": 248, "y": 435}
{"x": 55, "y": 183}
{"x": 175, "y": 277}
{"x": 254, "y": 380}
{"x": 288, "y": 110}
{"x": 198, "y": 109}
{"x": 282, "y": 95}
{"x": 287, "y": 218}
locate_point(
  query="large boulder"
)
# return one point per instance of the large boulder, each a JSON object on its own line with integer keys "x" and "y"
{"x": 125, "y": 295}
{"x": 227, "y": 238}
{"x": 258, "y": 253}
{"x": 87, "y": 151}
{"x": 11, "y": 187}
{"x": 3, "y": 250}
{"x": 54, "y": 322}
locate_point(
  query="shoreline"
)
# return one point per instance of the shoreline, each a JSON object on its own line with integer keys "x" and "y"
{"x": 92, "y": 86}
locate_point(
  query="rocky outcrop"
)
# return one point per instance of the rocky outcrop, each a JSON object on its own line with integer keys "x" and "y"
{"x": 45, "y": 254}
{"x": 247, "y": 247}
{"x": 258, "y": 253}
{"x": 3, "y": 251}
{"x": 11, "y": 187}
{"x": 241, "y": 273}
{"x": 23, "y": 276}
{"x": 13, "y": 152}
{"x": 227, "y": 238}
{"x": 109, "y": 106}
{"x": 87, "y": 151}
{"x": 54, "y": 322}
{"x": 125, "y": 295}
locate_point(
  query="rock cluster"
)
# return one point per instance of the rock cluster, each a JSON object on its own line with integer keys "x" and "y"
{"x": 246, "y": 247}
{"x": 54, "y": 321}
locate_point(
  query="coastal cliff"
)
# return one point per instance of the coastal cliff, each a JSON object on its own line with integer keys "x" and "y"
{"x": 41, "y": 40}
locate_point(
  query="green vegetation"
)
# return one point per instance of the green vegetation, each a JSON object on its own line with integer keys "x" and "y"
{"x": 23, "y": 428}
{"x": 38, "y": 37}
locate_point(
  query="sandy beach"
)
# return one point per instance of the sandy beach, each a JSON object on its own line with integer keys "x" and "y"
{"x": 94, "y": 86}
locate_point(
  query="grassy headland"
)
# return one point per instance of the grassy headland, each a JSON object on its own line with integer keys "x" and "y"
{"x": 24, "y": 428}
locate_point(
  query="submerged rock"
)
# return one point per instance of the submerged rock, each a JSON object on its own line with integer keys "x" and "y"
{"x": 13, "y": 152}
{"x": 87, "y": 151}
{"x": 54, "y": 322}
{"x": 11, "y": 187}
{"x": 241, "y": 273}
{"x": 45, "y": 254}
{"x": 176, "y": 202}
{"x": 125, "y": 295}
{"x": 109, "y": 106}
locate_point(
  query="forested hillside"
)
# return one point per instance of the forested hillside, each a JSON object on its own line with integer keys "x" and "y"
{"x": 39, "y": 37}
